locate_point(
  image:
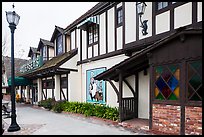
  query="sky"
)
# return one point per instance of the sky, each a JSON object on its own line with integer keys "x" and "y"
{"x": 38, "y": 20}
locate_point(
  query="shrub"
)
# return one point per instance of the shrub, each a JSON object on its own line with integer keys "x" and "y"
{"x": 58, "y": 106}
{"x": 48, "y": 103}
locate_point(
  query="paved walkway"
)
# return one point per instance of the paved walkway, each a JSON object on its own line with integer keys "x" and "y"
{"x": 37, "y": 121}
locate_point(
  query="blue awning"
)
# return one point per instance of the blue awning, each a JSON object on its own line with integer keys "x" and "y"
{"x": 83, "y": 25}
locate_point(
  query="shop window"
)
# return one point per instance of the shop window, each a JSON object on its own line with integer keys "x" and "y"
{"x": 194, "y": 81}
{"x": 167, "y": 82}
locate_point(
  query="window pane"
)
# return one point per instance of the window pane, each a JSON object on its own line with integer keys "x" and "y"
{"x": 59, "y": 45}
{"x": 44, "y": 53}
{"x": 167, "y": 85}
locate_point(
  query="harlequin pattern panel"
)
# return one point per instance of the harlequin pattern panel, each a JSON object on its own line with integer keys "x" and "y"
{"x": 167, "y": 82}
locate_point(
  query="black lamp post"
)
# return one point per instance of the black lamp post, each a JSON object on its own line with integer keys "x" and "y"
{"x": 140, "y": 11}
{"x": 12, "y": 19}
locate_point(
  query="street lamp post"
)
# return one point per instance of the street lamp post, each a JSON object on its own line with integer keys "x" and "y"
{"x": 12, "y": 19}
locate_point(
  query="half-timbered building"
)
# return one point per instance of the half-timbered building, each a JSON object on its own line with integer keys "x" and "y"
{"x": 143, "y": 57}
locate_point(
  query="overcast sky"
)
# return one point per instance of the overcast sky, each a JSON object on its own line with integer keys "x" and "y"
{"x": 38, "y": 20}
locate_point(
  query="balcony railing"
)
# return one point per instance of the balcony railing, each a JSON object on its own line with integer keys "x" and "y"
{"x": 32, "y": 65}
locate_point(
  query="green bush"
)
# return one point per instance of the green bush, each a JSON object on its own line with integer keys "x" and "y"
{"x": 88, "y": 109}
{"x": 48, "y": 103}
{"x": 58, "y": 106}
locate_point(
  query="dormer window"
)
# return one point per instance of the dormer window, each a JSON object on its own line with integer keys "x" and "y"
{"x": 59, "y": 46}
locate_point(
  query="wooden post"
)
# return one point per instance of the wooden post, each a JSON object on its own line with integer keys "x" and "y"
{"x": 120, "y": 96}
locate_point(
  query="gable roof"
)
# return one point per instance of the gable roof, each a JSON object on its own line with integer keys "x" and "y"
{"x": 32, "y": 50}
{"x": 45, "y": 43}
{"x": 56, "y": 31}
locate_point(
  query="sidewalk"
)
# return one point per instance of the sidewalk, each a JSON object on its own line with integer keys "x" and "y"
{"x": 40, "y": 121}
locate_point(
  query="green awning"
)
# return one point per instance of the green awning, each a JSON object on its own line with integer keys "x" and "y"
{"x": 20, "y": 81}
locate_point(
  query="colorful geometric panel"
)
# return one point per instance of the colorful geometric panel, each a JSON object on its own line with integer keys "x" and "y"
{"x": 162, "y": 86}
{"x": 195, "y": 81}
{"x": 166, "y": 75}
{"x": 160, "y": 97}
{"x": 172, "y": 97}
{"x": 156, "y": 92}
{"x": 173, "y": 82}
{"x": 166, "y": 91}
{"x": 159, "y": 69}
{"x": 173, "y": 68}
{"x": 176, "y": 92}
{"x": 177, "y": 74}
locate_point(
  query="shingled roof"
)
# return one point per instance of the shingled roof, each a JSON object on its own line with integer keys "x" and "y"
{"x": 53, "y": 63}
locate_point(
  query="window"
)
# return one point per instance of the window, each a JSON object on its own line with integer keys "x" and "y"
{"x": 48, "y": 84}
{"x": 119, "y": 16}
{"x": 161, "y": 5}
{"x": 59, "y": 45}
{"x": 64, "y": 82}
{"x": 194, "y": 81}
{"x": 167, "y": 82}
{"x": 44, "y": 53}
{"x": 93, "y": 34}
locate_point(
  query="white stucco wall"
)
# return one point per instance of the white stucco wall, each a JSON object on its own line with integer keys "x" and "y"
{"x": 57, "y": 87}
{"x": 111, "y": 28}
{"x": 84, "y": 44}
{"x": 95, "y": 50}
{"x": 49, "y": 93}
{"x": 183, "y": 15}
{"x": 74, "y": 85}
{"x": 126, "y": 90}
{"x": 163, "y": 22}
{"x": 119, "y": 38}
{"x": 102, "y": 33}
{"x": 143, "y": 103}
{"x": 71, "y": 63}
{"x": 199, "y": 18}
{"x": 39, "y": 81}
{"x": 130, "y": 22}
{"x": 51, "y": 53}
{"x": 90, "y": 52}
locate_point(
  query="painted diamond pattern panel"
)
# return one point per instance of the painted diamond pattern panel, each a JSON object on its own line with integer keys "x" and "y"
{"x": 167, "y": 82}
